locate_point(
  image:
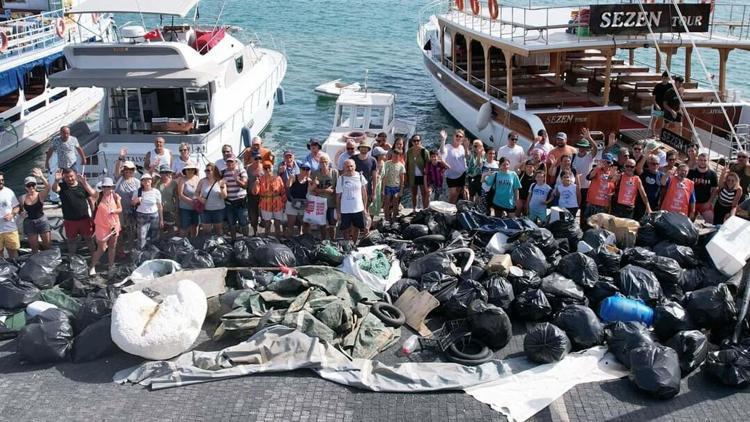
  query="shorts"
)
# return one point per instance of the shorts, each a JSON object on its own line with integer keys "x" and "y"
{"x": 272, "y": 215}
{"x": 657, "y": 113}
{"x": 392, "y": 190}
{"x": 36, "y": 227}
{"x": 592, "y": 209}
{"x": 356, "y": 219}
{"x": 475, "y": 185}
{"x": 458, "y": 182}
{"x": 169, "y": 218}
{"x": 10, "y": 241}
{"x": 73, "y": 228}
{"x": 668, "y": 117}
{"x": 331, "y": 216}
{"x": 538, "y": 214}
{"x": 212, "y": 216}
{"x": 701, "y": 207}
{"x": 499, "y": 210}
{"x": 418, "y": 181}
{"x": 237, "y": 215}
{"x": 188, "y": 218}
{"x": 623, "y": 211}
{"x": 584, "y": 192}
{"x": 290, "y": 209}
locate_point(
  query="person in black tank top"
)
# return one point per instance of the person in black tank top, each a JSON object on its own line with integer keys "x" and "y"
{"x": 35, "y": 225}
{"x": 296, "y": 201}
{"x": 727, "y": 198}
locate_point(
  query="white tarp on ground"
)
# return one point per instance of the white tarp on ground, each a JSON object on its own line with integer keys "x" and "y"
{"x": 372, "y": 281}
{"x": 520, "y": 396}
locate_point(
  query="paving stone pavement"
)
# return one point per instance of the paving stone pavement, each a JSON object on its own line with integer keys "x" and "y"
{"x": 77, "y": 392}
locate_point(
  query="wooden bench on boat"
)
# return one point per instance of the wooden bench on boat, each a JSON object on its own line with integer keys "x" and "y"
{"x": 640, "y": 101}
{"x": 596, "y": 84}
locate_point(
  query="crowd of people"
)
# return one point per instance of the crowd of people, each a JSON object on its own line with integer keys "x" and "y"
{"x": 248, "y": 191}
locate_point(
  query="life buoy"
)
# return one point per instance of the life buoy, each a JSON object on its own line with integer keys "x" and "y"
{"x": 460, "y": 5}
{"x": 95, "y": 17}
{"x": 475, "y": 7}
{"x": 3, "y": 41}
{"x": 493, "y": 9}
{"x": 60, "y": 27}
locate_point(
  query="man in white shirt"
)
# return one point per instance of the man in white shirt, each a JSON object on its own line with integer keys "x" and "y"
{"x": 351, "y": 197}
{"x": 9, "y": 209}
{"x": 512, "y": 152}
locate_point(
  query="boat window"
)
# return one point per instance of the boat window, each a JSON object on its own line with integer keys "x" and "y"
{"x": 377, "y": 114}
{"x": 198, "y": 100}
{"x": 34, "y": 82}
{"x": 8, "y": 101}
{"x": 345, "y": 116}
{"x": 359, "y": 119}
{"x": 125, "y": 111}
{"x": 239, "y": 64}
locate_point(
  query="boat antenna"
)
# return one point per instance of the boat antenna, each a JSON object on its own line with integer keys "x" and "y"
{"x": 214, "y": 33}
{"x": 138, "y": 6}
{"x": 669, "y": 71}
{"x": 708, "y": 78}
{"x": 367, "y": 72}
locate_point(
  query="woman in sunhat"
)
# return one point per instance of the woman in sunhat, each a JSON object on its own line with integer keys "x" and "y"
{"x": 107, "y": 223}
{"x": 126, "y": 183}
{"x": 313, "y": 158}
{"x": 186, "y": 187}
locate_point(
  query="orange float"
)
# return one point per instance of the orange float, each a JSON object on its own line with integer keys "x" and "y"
{"x": 3, "y": 41}
{"x": 460, "y": 5}
{"x": 475, "y": 7}
{"x": 493, "y": 8}
{"x": 60, "y": 28}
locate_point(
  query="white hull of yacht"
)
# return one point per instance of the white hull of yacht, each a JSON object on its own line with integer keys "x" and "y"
{"x": 37, "y": 127}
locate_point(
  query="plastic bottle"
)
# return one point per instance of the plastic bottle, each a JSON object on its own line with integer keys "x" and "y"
{"x": 410, "y": 345}
{"x": 621, "y": 308}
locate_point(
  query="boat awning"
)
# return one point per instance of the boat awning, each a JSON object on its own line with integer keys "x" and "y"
{"x": 162, "y": 7}
{"x": 13, "y": 78}
{"x": 134, "y": 78}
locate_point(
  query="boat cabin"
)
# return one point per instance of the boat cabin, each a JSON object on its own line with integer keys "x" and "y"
{"x": 364, "y": 112}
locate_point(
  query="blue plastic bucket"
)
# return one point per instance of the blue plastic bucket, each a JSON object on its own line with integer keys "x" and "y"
{"x": 621, "y": 308}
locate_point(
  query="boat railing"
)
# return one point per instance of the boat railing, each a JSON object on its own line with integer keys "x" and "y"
{"x": 32, "y": 32}
{"x": 523, "y": 23}
{"x": 720, "y": 139}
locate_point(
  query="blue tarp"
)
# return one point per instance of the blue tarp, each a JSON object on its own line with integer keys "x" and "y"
{"x": 12, "y": 79}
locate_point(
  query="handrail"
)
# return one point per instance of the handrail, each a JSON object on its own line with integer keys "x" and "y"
{"x": 32, "y": 32}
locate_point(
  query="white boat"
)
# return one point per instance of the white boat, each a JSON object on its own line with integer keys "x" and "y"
{"x": 361, "y": 116}
{"x": 32, "y": 37}
{"x": 335, "y": 87}
{"x": 182, "y": 82}
{"x": 498, "y": 67}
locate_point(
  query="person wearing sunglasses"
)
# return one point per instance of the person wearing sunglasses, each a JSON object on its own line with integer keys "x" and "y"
{"x": 474, "y": 164}
{"x": 181, "y": 160}
{"x": 256, "y": 145}
{"x": 598, "y": 198}
{"x": 454, "y": 155}
{"x": 226, "y": 152}
{"x": 513, "y": 152}
{"x": 35, "y": 225}
{"x": 75, "y": 194}
{"x": 211, "y": 193}
{"x": 417, "y": 158}
{"x": 742, "y": 168}
{"x": 627, "y": 186}
{"x": 157, "y": 156}
{"x": 678, "y": 192}
{"x": 651, "y": 180}
{"x": 107, "y": 227}
{"x": 270, "y": 188}
{"x": 186, "y": 190}
{"x": 126, "y": 183}
{"x": 313, "y": 158}
{"x": 706, "y": 184}
{"x": 349, "y": 151}
{"x": 254, "y": 172}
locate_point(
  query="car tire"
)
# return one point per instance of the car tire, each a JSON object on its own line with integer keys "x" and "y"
{"x": 389, "y": 314}
{"x": 470, "y": 352}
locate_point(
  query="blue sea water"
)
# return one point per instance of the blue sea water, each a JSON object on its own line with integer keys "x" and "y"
{"x": 329, "y": 39}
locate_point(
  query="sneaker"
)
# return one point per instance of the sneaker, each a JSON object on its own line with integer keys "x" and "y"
{"x": 92, "y": 271}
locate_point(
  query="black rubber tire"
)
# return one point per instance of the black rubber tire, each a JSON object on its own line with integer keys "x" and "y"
{"x": 483, "y": 353}
{"x": 389, "y": 314}
{"x": 437, "y": 238}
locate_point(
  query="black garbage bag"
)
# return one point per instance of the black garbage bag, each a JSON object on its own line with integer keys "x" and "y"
{"x": 242, "y": 253}
{"x": 691, "y": 347}
{"x": 16, "y": 294}
{"x": 528, "y": 256}
{"x": 638, "y": 256}
{"x": 475, "y": 272}
{"x": 436, "y": 261}
{"x": 596, "y": 238}
{"x": 94, "y": 342}
{"x": 490, "y": 324}
{"x": 562, "y": 291}
{"x": 674, "y": 226}
{"x": 546, "y": 343}
{"x": 302, "y": 248}
{"x": 149, "y": 253}
{"x": 458, "y": 305}
{"x": 92, "y": 309}
{"x": 175, "y": 247}
{"x": 220, "y": 250}
{"x": 731, "y": 365}
{"x": 248, "y": 278}
{"x": 328, "y": 253}
{"x": 640, "y": 283}
{"x": 499, "y": 292}
{"x": 542, "y": 239}
{"x": 711, "y": 307}
{"x": 581, "y": 325}
{"x": 532, "y": 305}
{"x": 666, "y": 270}
{"x": 41, "y": 268}
{"x": 196, "y": 259}
{"x": 566, "y": 227}
{"x": 413, "y": 231}
{"x": 601, "y": 290}
{"x": 439, "y": 285}
{"x": 373, "y": 237}
{"x": 522, "y": 280}
{"x": 622, "y": 337}
{"x": 580, "y": 268}
{"x": 647, "y": 235}
{"x": 684, "y": 255}
{"x": 656, "y": 370}
{"x": 669, "y": 319}
{"x": 607, "y": 259}
{"x": 46, "y": 337}
{"x": 274, "y": 255}
{"x": 398, "y": 288}
{"x": 7, "y": 269}
{"x": 73, "y": 275}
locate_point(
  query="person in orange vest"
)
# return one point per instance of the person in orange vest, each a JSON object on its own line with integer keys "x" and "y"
{"x": 601, "y": 188}
{"x": 678, "y": 192}
{"x": 627, "y": 185}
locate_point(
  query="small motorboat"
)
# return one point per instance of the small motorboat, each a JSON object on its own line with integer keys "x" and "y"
{"x": 333, "y": 89}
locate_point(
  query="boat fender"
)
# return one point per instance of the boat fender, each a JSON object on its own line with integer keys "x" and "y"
{"x": 460, "y": 5}
{"x": 95, "y": 17}
{"x": 355, "y": 136}
{"x": 484, "y": 115}
{"x": 475, "y": 8}
{"x": 246, "y": 136}
{"x": 280, "y": 96}
{"x": 60, "y": 27}
{"x": 493, "y": 9}
{"x": 3, "y": 41}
